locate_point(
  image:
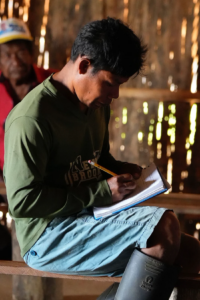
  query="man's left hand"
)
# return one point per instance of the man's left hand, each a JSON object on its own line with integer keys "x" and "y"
{"x": 132, "y": 169}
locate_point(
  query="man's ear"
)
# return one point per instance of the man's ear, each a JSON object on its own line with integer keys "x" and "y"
{"x": 84, "y": 65}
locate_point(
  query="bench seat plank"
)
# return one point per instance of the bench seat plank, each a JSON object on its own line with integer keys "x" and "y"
{"x": 20, "y": 268}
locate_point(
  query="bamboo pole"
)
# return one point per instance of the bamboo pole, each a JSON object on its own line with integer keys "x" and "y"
{"x": 159, "y": 94}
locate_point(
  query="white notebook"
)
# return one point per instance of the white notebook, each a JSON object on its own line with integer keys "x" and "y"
{"x": 150, "y": 184}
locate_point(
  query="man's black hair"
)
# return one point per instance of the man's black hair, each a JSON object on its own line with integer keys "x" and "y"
{"x": 110, "y": 45}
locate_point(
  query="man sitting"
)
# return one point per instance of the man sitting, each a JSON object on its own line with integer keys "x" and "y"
{"x": 50, "y": 136}
{"x": 18, "y": 74}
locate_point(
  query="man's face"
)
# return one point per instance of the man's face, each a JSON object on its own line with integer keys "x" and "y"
{"x": 97, "y": 90}
{"x": 15, "y": 60}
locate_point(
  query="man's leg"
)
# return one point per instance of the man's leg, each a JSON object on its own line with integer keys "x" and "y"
{"x": 164, "y": 243}
{"x": 154, "y": 275}
{"x": 162, "y": 250}
{"x": 167, "y": 245}
{"x": 83, "y": 246}
{"x": 166, "y": 240}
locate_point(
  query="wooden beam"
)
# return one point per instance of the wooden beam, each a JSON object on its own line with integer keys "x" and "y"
{"x": 2, "y": 188}
{"x": 179, "y": 202}
{"x": 159, "y": 94}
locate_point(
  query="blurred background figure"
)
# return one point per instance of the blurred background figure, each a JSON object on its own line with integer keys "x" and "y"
{"x": 18, "y": 74}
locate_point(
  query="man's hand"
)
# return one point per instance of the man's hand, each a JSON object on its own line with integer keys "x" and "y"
{"x": 121, "y": 186}
{"x": 132, "y": 169}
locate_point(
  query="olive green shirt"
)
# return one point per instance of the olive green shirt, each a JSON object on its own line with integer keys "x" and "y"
{"x": 48, "y": 142}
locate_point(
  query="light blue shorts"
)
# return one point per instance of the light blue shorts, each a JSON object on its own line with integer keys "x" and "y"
{"x": 81, "y": 245}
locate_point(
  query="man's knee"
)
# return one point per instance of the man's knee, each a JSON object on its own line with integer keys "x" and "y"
{"x": 165, "y": 240}
{"x": 170, "y": 228}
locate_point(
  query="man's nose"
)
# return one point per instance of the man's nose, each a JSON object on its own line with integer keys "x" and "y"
{"x": 15, "y": 60}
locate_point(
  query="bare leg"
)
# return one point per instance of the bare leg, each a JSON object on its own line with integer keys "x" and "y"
{"x": 170, "y": 246}
{"x": 155, "y": 264}
{"x": 164, "y": 243}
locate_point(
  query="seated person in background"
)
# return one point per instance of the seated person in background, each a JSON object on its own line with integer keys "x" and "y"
{"x": 49, "y": 138}
{"x": 18, "y": 74}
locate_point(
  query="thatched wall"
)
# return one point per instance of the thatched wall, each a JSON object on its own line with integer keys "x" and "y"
{"x": 171, "y": 31}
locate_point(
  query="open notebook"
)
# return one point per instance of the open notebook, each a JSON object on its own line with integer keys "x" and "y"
{"x": 150, "y": 184}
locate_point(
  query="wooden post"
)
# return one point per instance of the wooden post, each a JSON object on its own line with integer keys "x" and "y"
{"x": 36, "y": 13}
{"x": 31, "y": 287}
{"x": 65, "y": 20}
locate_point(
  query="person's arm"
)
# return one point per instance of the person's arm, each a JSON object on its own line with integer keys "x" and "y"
{"x": 27, "y": 151}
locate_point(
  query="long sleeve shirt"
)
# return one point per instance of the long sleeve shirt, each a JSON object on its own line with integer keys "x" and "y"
{"x": 48, "y": 143}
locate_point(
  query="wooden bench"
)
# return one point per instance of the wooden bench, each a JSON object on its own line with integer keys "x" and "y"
{"x": 187, "y": 287}
{"x": 20, "y": 268}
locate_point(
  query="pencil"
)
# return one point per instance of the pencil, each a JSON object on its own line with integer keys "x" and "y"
{"x": 101, "y": 168}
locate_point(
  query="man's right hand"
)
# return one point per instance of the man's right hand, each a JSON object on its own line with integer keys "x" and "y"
{"x": 121, "y": 186}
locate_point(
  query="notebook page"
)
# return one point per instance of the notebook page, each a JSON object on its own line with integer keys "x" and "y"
{"x": 150, "y": 183}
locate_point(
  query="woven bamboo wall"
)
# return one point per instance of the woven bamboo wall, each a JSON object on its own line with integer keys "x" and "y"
{"x": 141, "y": 130}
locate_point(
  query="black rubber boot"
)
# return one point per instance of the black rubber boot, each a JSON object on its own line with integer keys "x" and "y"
{"x": 110, "y": 293}
{"x": 146, "y": 278}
